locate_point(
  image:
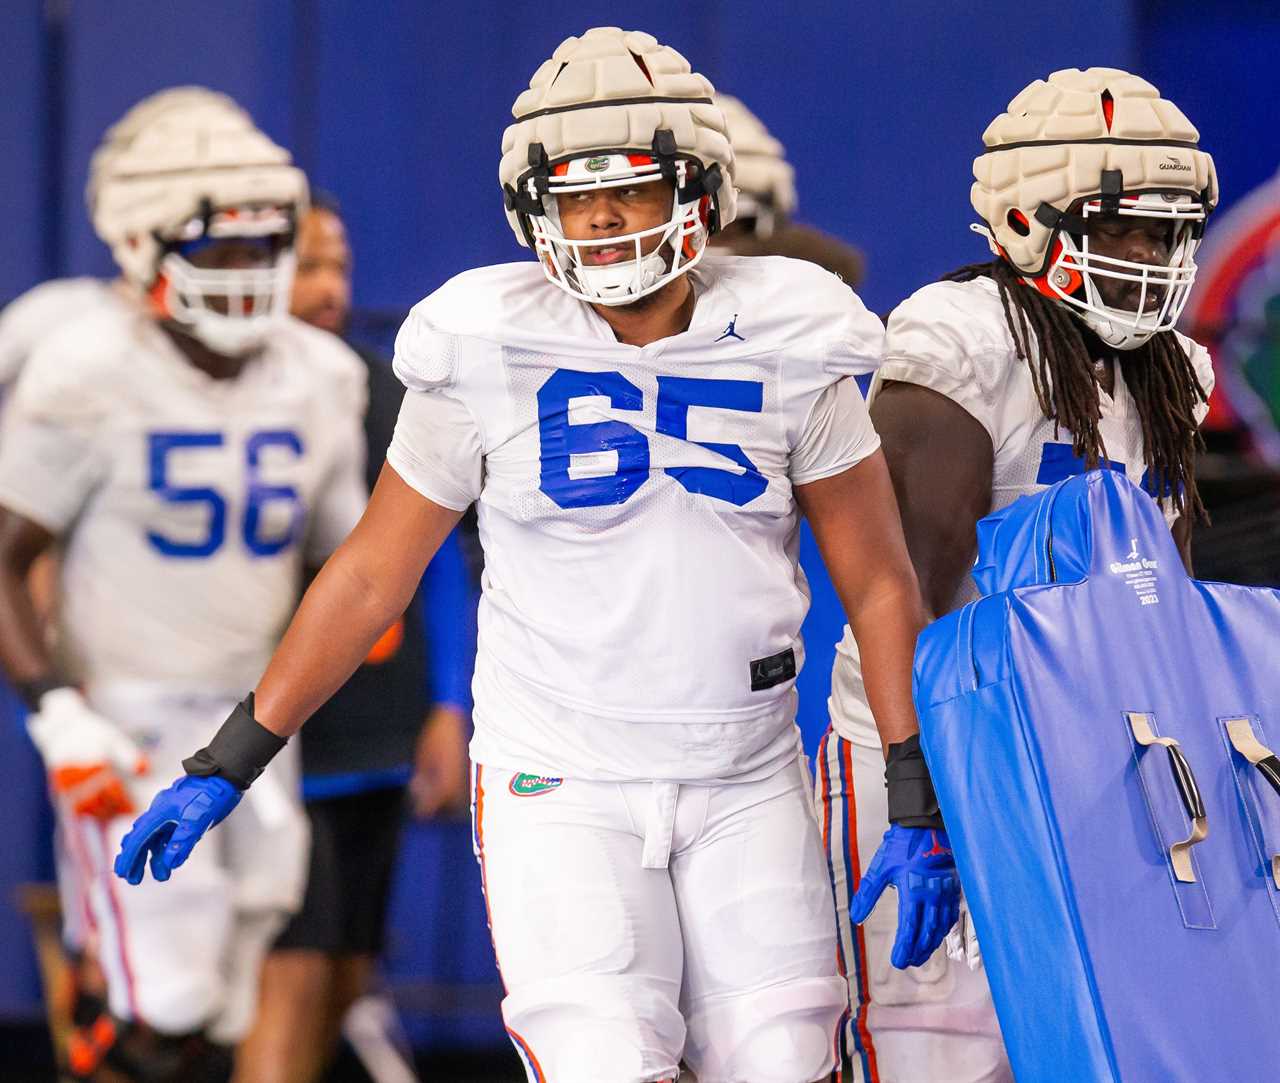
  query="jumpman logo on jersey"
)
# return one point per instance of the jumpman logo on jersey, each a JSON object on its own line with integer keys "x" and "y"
{"x": 731, "y": 332}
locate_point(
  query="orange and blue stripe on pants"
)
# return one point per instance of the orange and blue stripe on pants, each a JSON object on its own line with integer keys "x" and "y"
{"x": 838, "y": 818}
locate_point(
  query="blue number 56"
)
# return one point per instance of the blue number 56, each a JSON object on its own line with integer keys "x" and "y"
{"x": 162, "y": 445}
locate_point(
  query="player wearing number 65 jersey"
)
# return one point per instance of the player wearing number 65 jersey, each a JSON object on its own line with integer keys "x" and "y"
{"x": 189, "y": 449}
{"x": 640, "y": 429}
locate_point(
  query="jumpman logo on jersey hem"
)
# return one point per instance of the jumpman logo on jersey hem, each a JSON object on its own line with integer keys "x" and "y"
{"x": 731, "y": 331}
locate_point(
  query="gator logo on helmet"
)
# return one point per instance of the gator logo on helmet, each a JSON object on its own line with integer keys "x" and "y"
{"x": 597, "y": 165}
{"x": 523, "y": 785}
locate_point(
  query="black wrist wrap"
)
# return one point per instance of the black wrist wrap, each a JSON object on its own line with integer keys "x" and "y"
{"x": 239, "y": 751}
{"x": 912, "y": 802}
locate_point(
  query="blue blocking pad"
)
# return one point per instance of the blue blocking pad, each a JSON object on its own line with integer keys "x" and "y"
{"x": 1098, "y": 728}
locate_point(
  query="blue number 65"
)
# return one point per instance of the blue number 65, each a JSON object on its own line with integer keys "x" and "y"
{"x": 560, "y": 440}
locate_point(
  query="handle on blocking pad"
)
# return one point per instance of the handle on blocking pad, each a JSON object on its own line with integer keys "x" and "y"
{"x": 1184, "y": 778}
{"x": 1244, "y": 741}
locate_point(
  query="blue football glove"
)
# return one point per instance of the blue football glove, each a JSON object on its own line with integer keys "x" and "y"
{"x": 169, "y": 830}
{"x": 918, "y": 863}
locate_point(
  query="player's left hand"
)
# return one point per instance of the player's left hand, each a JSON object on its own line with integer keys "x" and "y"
{"x": 169, "y": 830}
{"x": 917, "y": 862}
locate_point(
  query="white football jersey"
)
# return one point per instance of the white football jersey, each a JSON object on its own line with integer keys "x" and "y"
{"x": 952, "y": 337}
{"x": 641, "y": 601}
{"x": 44, "y": 309}
{"x": 186, "y": 506}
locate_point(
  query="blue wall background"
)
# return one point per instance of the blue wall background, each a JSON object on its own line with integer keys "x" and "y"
{"x": 398, "y": 107}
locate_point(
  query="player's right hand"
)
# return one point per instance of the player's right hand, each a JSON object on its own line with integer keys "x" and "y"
{"x": 918, "y": 863}
{"x": 169, "y": 830}
{"x": 85, "y": 754}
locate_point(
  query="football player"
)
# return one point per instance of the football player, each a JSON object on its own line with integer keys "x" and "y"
{"x": 188, "y": 449}
{"x": 641, "y": 428}
{"x": 1057, "y": 356}
{"x": 767, "y": 200}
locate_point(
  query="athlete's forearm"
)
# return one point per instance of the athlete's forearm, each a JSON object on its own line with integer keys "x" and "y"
{"x": 854, "y": 517}
{"x": 23, "y": 653}
{"x": 340, "y": 618}
{"x": 367, "y": 583}
{"x": 886, "y": 625}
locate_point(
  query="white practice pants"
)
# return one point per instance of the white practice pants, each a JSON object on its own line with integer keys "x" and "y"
{"x": 640, "y": 923}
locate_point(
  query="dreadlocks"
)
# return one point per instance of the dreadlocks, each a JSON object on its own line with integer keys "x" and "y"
{"x": 1159, "y": 375}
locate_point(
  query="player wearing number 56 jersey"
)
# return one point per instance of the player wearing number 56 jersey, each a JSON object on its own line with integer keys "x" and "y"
{"x": 640, "y": 429}
{"x": 189, "y": 450}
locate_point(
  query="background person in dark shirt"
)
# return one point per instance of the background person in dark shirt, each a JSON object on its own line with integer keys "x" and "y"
{"x": 399, "y": 725}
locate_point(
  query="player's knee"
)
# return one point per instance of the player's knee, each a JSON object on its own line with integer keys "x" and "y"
{"x": 785, "y": 1033}
{"x": 586, "y": 1029}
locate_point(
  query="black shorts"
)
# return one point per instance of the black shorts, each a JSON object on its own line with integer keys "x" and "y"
{"x": 354, "y": 841}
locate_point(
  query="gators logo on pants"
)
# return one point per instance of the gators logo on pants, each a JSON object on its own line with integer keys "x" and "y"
{"x": 523, "y": 785}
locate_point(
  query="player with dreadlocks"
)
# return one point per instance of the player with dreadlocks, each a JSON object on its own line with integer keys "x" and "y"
{"x": 1057, "y": 356}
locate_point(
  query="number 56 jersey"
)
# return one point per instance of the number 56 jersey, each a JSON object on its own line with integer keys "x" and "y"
{"x": 186, "y": 506}
{"x": 642, "y": 601}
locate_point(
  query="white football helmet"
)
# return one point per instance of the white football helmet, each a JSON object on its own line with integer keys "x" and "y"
{"x": 614, "y": 109}
{"x": 189, "y": 172}
{"x": 766, "y": 181}
{"x": 121, "y": 133}
{"x": 1087, "y": 143}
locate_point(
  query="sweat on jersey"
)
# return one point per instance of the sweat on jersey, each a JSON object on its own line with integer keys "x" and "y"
{"x": 952, "y": 337}
{"x": 187, "y": 506}
{"x": 642, "y": 601}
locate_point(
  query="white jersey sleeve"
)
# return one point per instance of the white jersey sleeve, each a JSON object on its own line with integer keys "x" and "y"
{"x": 436, "y": 448}
{"x": 940, "y": 339}
{"x": 343, "y": 494}
{"x": 836, "y": 432}
{"x": 40, "y": 311}
{"x": 51, "y": 444}
{"x": 839, "y": 435}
